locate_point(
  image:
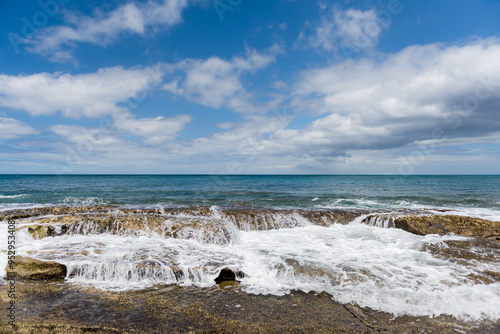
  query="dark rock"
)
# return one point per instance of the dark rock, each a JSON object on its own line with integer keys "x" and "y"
{"x": 227, "y": 275}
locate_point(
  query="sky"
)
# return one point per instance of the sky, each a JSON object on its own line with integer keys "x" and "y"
{"x": 250, "y": 87}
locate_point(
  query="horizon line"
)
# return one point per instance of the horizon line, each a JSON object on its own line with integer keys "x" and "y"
{"x": 202, "y": 174}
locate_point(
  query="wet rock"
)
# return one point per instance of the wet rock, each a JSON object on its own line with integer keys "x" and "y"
{"x": 437, "y": 224}
{"x": 178, "y": 273}
{"x": 51, "y": 210}
{"x": 493, "y": 274}
{"x": 203, "y": 229}
{"x": 26, "y": 268}
{"x": 171, "y": 222}
{"x": 469, "y": 253}
{"x": 227, "y": 275}
{"x": 204, "y": 224}
{"x": 459, "y": 225}
{"x": 39, "y": 232}
{"x": 379, "y": 220}
{"x": 64, "y": 308}
{"x": 329, "y": 217}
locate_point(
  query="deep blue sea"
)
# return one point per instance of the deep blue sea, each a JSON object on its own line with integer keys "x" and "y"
{"x": 479, "y": 195}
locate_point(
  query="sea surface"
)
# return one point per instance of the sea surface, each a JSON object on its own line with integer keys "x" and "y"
{"x": 386, "y": 269}
{"x": 474, "y": 195}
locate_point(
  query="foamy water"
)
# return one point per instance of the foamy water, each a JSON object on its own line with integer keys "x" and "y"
{"x": 12, "y": 196}
{"x": 382, "y": 268}
{"x": 373, "y": 205}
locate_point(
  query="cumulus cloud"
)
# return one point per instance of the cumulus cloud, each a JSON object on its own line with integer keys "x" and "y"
{"x": 11, "y": 128}
{"x": 429, "y": 92}
{"x": 367, "y": 111}
{"x": 153, "y": 130}
{"x": 98, "y": 149}
{"x": 347, "y": 29}
{"x": 241, "y": 139}
{"x": 104, "y": 28}
{"x": 216, "y": 82}
{"x": 97, "y": 138}
{"x": 82, "y": 95}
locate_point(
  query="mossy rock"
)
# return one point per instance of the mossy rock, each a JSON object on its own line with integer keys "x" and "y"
{"x": 459, "y": 225}
{"x": 41, "y": 231}
{"x": 26, "y": 268}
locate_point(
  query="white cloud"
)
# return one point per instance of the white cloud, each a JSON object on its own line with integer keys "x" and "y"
{"x": 103, "y": 149}
{"x": 421, "y": 93}
{"x": 372, "y": 112}
{"x": 241, "y": 139}
{"x": 89, "y": 95}
{"x": 153, "y": 130}
{"x": 216, "y": 82}
{"x": 11, "y": 128}
{"x": 92, "y": 138}
{"x": 225, "y": 125}
{"x": 104, "y": 28}
{"x": 347, "y": 29}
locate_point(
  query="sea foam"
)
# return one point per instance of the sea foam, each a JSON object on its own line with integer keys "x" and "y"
{"x": 385, "y": 269}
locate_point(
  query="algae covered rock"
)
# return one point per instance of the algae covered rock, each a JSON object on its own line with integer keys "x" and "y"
{"x": 436, "y": 224}
{"x": 26, "y": 268}
{"x": 39, "y": 231}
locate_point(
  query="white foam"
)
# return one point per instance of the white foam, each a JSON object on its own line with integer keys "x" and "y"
{"x": 21, "y": 206}
{"x": 384, "y": 269}
{"x": 350, "y": 203}
{"x": 363, "y": 203}
{"x": 83, "y": 200}
{"x": 483, "y": 213}
{"x": 123, "y": 263}
{"x": 379, "y": 268}
{"x": 13, "y": 196}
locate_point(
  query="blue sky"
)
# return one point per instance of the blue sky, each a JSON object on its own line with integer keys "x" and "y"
{"x": 250, "y": 87}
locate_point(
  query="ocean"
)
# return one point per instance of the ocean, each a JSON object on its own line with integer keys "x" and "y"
{"x": 279, "y": 231}
{"x": 472, "y": 195}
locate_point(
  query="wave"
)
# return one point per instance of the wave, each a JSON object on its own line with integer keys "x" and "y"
{"x": 84, "y": 200}
{"x": 22, "y": 206}
{"x": 485, "y": 211}
{"x": 12, "y": 196}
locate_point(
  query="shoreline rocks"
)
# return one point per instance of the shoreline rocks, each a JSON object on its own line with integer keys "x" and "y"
{"x": 459, "y": 225}
{"x": 438, "y": 224}
{"x": 224, "y": 307}
{"x": 205, "y": 223}
{"x": 64, "y": 308}
{"x": 26, "y": 268}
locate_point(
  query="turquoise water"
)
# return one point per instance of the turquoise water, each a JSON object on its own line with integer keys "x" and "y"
{"x": 462, "y": 192}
